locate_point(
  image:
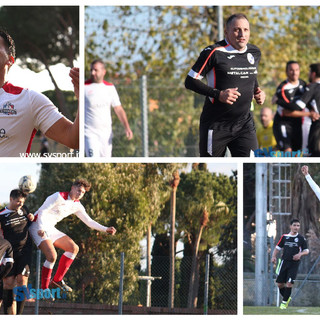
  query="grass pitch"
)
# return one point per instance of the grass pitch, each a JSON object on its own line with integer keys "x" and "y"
{"x": 277, "y": 311}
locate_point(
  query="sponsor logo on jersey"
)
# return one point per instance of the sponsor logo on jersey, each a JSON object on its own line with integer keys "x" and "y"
{"x": 3, "y": 134}
{"x": 250, "y": 58}
{"x": 8, "y": 109}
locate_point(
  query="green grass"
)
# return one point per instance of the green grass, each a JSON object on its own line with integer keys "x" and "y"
{"x": 277, "y": 311}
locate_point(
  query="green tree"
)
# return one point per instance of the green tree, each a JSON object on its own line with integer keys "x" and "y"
{"x": 198, "y": 189}
{"x": 44, "y": 36}
{"x": 127, "y": 196}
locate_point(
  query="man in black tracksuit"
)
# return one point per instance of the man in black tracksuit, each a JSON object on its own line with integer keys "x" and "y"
{"x": 231, "y": 68}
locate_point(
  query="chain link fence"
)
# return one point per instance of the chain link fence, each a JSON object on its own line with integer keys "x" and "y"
{"x": 93, "y": 287}
{"x": 173, "y": 114}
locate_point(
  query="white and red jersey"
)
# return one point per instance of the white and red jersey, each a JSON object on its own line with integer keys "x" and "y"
{"x": 99, "y": 98}
{"x": 22, "y": 113}
{"x": 58, "y": 206}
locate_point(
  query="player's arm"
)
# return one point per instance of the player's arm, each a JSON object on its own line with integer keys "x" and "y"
{"x": 228, "y": 96}
{"x": 197, "y": 73}
{"x": 303, "y": 251}
{"x": 298, "y": 114}
{"x": 122, "y": 116}
{"x": 313, "y": 186}
{"x": 300, "y": 103}
{"x": 274, "y": 254}
{"x": 66, "y": 132}
{"x": 84, "y": 217}
{"x": 28, "y": 214}
{"x": 298, "y": 256}
{"x": 259, "y": 96}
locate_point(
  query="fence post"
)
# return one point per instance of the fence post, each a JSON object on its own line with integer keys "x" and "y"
{"x": 271, "y": 283}
{"x": 121, "y": 283}
{"x": 206, "y": 284}
{"x": 144, "y": 116}
{"x": 36, "y": 311}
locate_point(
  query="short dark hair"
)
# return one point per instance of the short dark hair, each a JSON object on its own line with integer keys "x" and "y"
{"x": 293, "y": 221}
{"x": 11, "y": 48}
{"x": 17, "y": 193}
{"x": 82, "y": 182}
{"x": 235, "y": 16}
{"x": 98, "y": 61}
{"x": 315, "y": 67}
{"x": 290, "y": 63}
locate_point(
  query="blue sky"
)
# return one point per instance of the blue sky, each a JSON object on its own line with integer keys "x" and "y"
{"x": 11, "y": 173}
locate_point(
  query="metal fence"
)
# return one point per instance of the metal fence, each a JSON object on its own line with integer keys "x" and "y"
{"x": 217, "y": 285}
{"x": 168, "y": 125}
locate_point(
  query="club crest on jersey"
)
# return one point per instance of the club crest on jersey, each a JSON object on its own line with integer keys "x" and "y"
{"x": 296, "y": 240}
{"x": 250, "y": 58}
{"x": 8, "y": 109}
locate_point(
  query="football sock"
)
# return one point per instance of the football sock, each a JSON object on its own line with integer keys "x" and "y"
{"x": 282, "y": 291}
{"x": 20, "y": 306}
{"x": 64, "y": 265}
{"x": 46, "y": 274}
{"x": 287, "y": 294}
{"x": 7, "y": 300}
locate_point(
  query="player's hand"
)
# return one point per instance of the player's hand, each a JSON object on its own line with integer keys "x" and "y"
{"x": 296, "y": 257}
{"x": 305, "y": 170}
{"x": 74, "y": 74}
{"x": 30, "y": 216}
{"x": 274, "y": 260}
{"x": 259, "y": 95}
{"x": 129, "y": 134}
{"x": 314, "y": 115}
{"x": 111, "y": 230}
{"x": 41, "y": 233}
{"x": 229, "y": 96}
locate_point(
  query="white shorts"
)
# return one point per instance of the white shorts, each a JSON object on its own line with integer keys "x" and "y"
{"x": 52, "y": 234}
{"x": 98, "y": 146}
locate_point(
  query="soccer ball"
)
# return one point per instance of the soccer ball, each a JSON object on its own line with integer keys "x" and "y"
{"x": 27, "y": 184}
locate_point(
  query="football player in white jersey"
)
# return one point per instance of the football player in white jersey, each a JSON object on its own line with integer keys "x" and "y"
{"x": 56, "y": 207}
{"x": 100, "y": 96}
{"x": 23, "y": 111}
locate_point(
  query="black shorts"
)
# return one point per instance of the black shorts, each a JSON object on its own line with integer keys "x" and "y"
{"x": 314, "y": 139}
{"x": 240, "y": 137}
{"x": 288, "y": 271}
{"x": 22, "y": 261}
{"x": 288, "y": 133}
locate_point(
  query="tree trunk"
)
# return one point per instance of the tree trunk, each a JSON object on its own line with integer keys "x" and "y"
{"x": 193, "y": 290}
